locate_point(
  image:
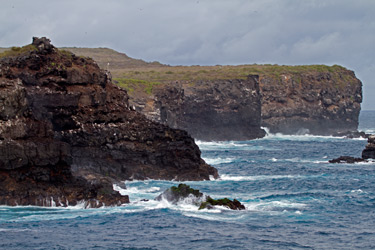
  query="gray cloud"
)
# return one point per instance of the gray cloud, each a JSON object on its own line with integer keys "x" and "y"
{"x": 207, "y": 32}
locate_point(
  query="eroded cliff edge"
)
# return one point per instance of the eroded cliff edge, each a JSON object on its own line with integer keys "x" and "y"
{"x": 67, "y": 133}
{"x": 322, "y": 101}
{"x": 209, "y": 110}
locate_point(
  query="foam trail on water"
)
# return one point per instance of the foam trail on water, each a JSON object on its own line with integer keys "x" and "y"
{"x": 218, "y": 160}
{"x": 225, "y": 177}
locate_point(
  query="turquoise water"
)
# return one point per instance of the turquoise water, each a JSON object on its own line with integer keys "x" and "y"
{"x": 294, "y": 198}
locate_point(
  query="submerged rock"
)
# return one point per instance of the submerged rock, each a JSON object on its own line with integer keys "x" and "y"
{"x": 183, "y": 191}
{"x": 347, "y": 159}
{"x": 67, "y": 133}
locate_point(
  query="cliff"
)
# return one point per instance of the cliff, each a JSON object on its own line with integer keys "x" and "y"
{"x": 208, "y": 110}
{"x": 67, "y": 133}
{"x": 317, "y": 99}
{"x": 323, "y": 100}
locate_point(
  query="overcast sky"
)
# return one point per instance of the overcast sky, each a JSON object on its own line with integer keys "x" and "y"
{"x": 207, "y": 32}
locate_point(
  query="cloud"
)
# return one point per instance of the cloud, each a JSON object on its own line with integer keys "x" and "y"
{"x": 207, "y": 32}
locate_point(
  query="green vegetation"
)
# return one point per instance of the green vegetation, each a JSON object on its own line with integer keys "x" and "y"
{"x": 134, "y": 84}
{"x": 16, "y": 51}
{"x": 195, "y": 73}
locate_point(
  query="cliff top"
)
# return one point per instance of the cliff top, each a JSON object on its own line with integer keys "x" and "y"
{"x": 135, "y": 74}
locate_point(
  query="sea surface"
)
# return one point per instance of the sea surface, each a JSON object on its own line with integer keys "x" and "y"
{"x": 294, "y": 199}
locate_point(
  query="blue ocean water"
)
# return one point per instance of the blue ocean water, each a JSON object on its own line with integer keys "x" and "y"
{"x": 294, "y": 198}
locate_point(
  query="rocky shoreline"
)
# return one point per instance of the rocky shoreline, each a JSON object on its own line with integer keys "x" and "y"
{"x": 67, "y": 133}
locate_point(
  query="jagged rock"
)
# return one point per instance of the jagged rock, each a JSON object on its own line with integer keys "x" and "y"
{"x": 67, "y": 133}
{"x": 347, "y": 159}
{"x": 176, "y": 194}
{"x": 234, "y": 205}
{"x": 183, "y": 191}
{"x": 369, "y": 151}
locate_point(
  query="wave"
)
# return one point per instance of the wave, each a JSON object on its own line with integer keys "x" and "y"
{"x": 303, "y": 135}
{"x": 218, "y": 160}
{"x": 225, "y": 177}
{"x": 228, "y": 145}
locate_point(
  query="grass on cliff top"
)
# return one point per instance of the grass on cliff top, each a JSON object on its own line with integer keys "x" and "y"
{"x": 132, "y": 85}
{"x": 16, "y": 51}
{"x": 191, "y": 74}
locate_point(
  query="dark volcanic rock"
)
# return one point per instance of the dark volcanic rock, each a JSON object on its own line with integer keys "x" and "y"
{"x": 347, "y": 159}
{"x": 176, "y": 194}
{"x": 67, "y": 133}
{"x": 320, "y": 103}
{"x": 351, "y": 134}
{"x": 183, "y": 191}
{"x": 209, "y": 110}
{"x": 369, "y": 151}
{"x": 234, "y": 205}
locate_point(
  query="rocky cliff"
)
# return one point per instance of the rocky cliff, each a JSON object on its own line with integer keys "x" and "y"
{"x": 67, "y": 133}
{"x": 209, "y": 110}
{"x": 323, "y": 101}
{"x": 314, "y": 99}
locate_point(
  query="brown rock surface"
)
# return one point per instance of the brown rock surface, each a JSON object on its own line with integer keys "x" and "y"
{"x": 321, "y": 103}
{"x": 67, "y": 133}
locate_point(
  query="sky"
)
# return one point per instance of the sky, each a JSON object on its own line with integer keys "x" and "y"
{"x": 207, "y": 32}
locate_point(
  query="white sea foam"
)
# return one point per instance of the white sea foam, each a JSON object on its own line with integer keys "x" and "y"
{"x": 273, "y": 205}
{"x": 228, "y": 145}
{"x": 301, "y": 135}
{"x": 218, "y": 160}
{"x": 225, "y": 177}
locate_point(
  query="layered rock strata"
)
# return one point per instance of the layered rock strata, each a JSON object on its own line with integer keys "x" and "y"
{"x": 208, "y": 110}
{"x": 67, "y": 133}
{"x": 320, "y": 103}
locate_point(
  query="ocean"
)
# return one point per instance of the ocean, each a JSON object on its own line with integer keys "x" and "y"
{"x": 294, "y": 199}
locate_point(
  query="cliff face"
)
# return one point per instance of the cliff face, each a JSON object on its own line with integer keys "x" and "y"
{"x": 314, "y": 102}
{"x": 317, "y": 99}
{"x": 67, "y": 133}
{"x": 209, "y": 110}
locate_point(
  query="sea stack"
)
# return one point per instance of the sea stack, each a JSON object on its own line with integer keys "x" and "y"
{"x": 369, "y": 151}
{"x": 67, "y": 133}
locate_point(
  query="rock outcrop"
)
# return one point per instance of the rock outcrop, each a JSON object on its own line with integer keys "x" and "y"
{"x": 195, "y": 197}
{"x": 317, "y": 102}
{"x": 67, "y": 133}
{"x": 369, "y": 151}
{"x": 347, "y": 159}
{"x": 208, "y": 110}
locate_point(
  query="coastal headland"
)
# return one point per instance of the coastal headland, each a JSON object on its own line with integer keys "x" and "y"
{"x": 67, "y": 133}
